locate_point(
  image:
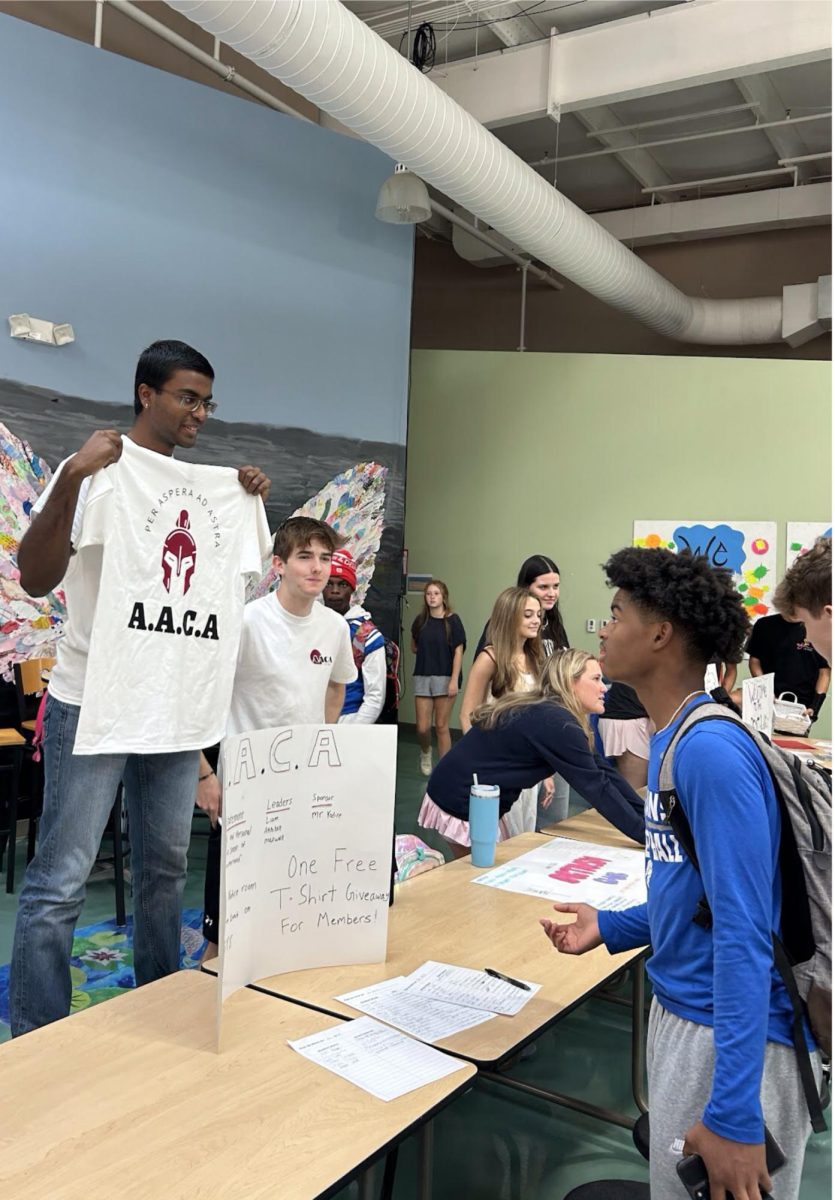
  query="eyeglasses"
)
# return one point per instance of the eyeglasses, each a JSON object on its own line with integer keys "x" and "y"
{"x": 192, "y": 403}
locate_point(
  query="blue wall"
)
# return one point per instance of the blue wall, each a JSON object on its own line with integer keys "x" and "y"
{"x": 138, "y": 205}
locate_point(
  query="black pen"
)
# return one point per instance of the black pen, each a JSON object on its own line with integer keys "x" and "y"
{"x": 526, "y": 987}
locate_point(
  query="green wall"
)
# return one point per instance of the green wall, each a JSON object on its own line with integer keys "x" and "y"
{"x": 515, "y": 454}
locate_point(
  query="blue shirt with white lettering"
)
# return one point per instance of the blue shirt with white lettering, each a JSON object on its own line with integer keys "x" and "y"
{"x": 724, "y": 976}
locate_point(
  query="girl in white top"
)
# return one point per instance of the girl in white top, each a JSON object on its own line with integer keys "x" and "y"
{"x": 513, "y": 656}
{"x": 511, "y": 661}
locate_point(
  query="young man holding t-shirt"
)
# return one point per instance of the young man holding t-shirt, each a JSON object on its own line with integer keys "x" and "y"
{"x": 721, "y": 1064}
{"x": 172, "y": 401}
{"x": 294, "y": 661}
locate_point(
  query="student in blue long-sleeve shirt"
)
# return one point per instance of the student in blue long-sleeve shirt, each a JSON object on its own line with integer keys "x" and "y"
{"x": 720, "y": 1055}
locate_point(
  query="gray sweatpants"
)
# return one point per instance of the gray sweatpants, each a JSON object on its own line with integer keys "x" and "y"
{"x": 680, "y": 1070}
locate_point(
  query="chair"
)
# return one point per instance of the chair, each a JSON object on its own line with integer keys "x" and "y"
{"x": 30, "y": 681}
{"x": 640, "y": 1135}
{"x": 611, "y": 1189}
{"x": 12, "y": 746}
{"x": 620, "y": 1189}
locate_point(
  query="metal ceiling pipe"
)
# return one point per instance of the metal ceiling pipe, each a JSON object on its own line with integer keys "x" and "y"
{"x": 322, "y": 51}
{"x": 505, "y": 251}
{"x": 228, "y": 74}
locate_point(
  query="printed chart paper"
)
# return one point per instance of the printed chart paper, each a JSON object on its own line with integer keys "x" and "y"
{"x": 375, "y": 1058}
{"x": 747, "y": 548}
{"x": 469, "y": 988}
{"x": 307, "y": 848}
{"x": 421, "y": 1016}
{"x": 573, "y": 872}
{"x": 758, "y": 702}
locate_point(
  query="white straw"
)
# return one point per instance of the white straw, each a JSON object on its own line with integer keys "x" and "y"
{"x": 475, "y": 779}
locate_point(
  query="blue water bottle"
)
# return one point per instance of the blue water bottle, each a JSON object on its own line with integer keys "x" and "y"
{"x": 484, "y": 823}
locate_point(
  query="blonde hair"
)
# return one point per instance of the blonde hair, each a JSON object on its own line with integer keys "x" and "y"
{"x": 556, "y": 684}
{"x": 503, "y": 640}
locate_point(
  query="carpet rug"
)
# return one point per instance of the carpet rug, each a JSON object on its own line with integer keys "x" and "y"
{"x": 102, "y": 962}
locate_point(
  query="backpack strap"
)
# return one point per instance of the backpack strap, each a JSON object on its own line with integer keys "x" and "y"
{"x": 801, "y": 1050}
{"x": 360, "y": 628}
{"x": 703, "y": 917}
{"x": 670, "y": 804}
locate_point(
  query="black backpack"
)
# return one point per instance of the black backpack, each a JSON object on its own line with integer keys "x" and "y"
{"x": 803, "y": 954}
{"x": 391, "y": 704}
{"x": 361, "y": 629}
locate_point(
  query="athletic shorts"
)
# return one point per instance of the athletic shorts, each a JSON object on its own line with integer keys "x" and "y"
{"x": 619, "y": 736}
{"x": 431, "y": 685}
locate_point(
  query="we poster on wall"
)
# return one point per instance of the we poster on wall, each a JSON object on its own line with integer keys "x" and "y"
{"x": 308, "y": 824}
{"x": 354, "y": 484}
{"x": 802, "y": 535}
{"x": 746, "y": 548}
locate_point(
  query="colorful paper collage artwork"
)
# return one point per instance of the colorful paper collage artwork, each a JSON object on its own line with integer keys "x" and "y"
{"x": 801, "y": 536}
{"x": 354, "y": 503}
{"x": 29, "y": 627}
{"x": 747, "y": 548}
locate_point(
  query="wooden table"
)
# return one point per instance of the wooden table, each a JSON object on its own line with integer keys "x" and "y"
{"x": 590, "y": 826}
{"x": 440, "y": 915}
{"x": 817, "y": 750}
{"x": 130, "y": 1099}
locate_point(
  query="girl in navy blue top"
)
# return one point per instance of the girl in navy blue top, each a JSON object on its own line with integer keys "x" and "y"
{"x": 518, "y": 740}
{"x": 438, "y": 644}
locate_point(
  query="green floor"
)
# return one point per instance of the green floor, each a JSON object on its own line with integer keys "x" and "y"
{"x": 490, "y": 1143}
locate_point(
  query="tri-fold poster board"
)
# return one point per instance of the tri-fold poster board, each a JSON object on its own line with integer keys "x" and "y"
{"x": 308, "y": 829}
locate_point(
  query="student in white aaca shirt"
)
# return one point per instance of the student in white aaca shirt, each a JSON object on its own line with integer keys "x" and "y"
{"x": 294, "y": 661}
{"x": 172, "y": 399}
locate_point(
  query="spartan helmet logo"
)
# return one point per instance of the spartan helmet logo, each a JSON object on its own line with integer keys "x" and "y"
{"x": 179, "y": 554}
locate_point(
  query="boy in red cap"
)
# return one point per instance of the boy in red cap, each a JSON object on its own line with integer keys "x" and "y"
{"x": 364, "y": 698}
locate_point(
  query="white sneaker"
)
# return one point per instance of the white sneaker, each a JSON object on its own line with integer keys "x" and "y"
{"x": 426, "y": 762}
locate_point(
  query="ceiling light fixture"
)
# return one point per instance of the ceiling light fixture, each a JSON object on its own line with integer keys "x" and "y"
{"x": 403, "y": 199}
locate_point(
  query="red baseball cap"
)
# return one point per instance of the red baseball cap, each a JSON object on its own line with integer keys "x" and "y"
{"x": 343, "y": 567}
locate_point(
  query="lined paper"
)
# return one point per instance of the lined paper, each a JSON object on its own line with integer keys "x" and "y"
{"x": 470, "y": 988}
{"x": 381, "y": 1061}
{"x": 414, "y": 1013}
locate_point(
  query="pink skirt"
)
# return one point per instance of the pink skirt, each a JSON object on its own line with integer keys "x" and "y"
{"x": 619, "y": 736}
{"x": 449, "y": 827}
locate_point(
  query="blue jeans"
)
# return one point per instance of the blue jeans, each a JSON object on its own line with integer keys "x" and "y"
{"x": 557, "y": 810}
{"x": 79, "y": 791}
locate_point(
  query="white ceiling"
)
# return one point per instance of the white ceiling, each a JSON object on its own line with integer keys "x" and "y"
{"x": 470, "y": 27}
{"x": 610, "y": 182}
{"x": 503, "y": 31}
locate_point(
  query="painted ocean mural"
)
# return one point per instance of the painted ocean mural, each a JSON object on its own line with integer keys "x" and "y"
{"x": 356, "y": 484}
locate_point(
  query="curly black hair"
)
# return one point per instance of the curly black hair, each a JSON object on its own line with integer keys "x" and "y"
{"x": 701, "y": 601}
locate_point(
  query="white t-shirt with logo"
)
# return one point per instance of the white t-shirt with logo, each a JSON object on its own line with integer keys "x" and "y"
{"x": 177, "y": 543}
{"x": 285, "y": 664}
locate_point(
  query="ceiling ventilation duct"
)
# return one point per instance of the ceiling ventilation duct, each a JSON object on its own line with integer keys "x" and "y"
{"x": 326, "y": 54}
